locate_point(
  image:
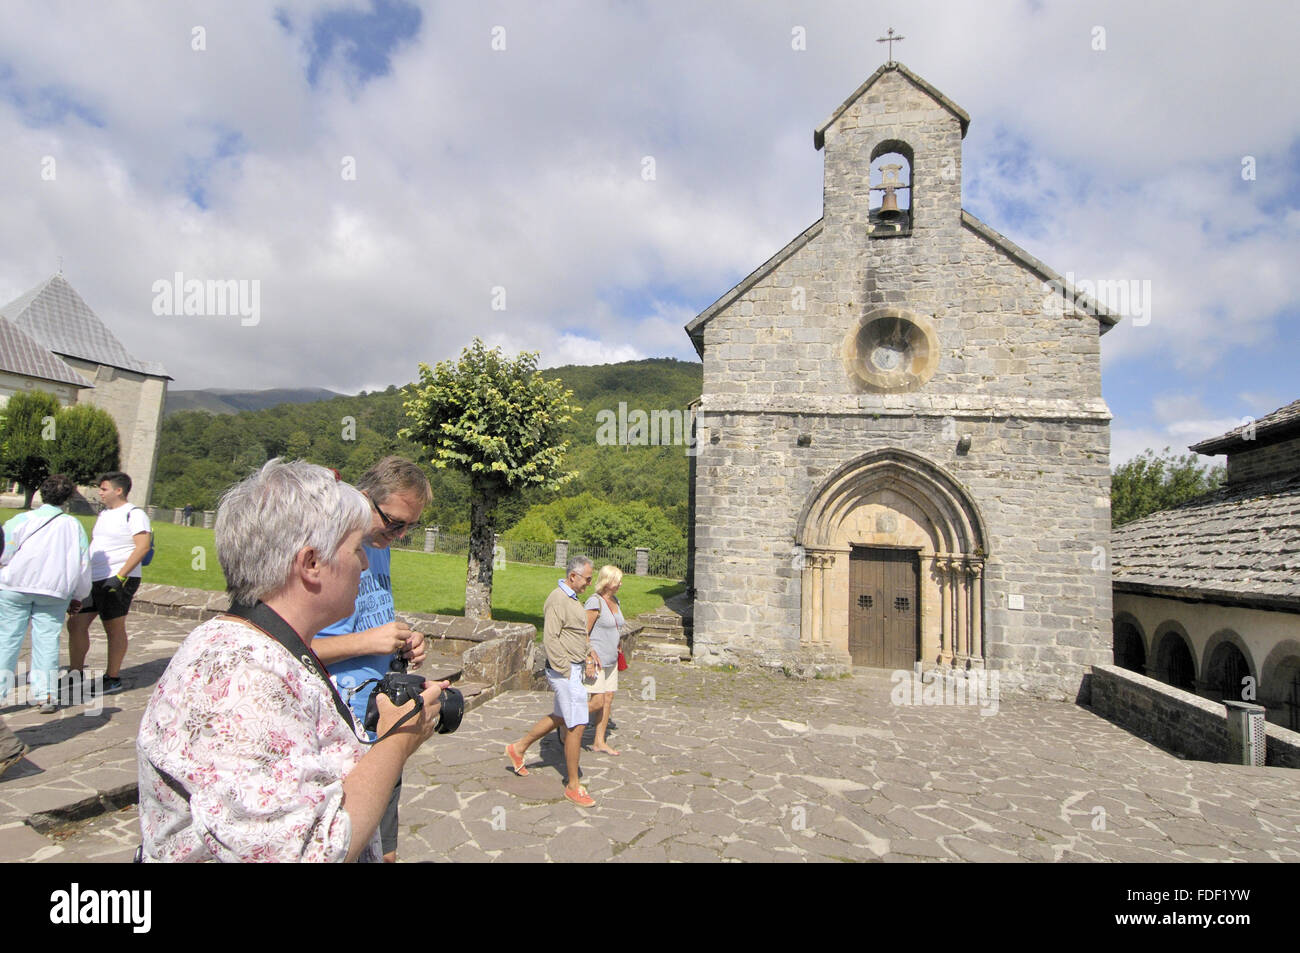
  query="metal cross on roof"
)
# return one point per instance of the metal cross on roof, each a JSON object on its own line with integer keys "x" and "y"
{"x": 890, "y": 38}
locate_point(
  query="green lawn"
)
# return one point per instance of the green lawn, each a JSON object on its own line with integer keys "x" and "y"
{"x": 422, "y": 582}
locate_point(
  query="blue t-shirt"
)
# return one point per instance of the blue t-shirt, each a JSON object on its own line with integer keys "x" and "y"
{"x": 374, "y": 608}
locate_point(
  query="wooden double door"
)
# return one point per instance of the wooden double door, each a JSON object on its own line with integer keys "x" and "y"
{"x": 884, "y": 607}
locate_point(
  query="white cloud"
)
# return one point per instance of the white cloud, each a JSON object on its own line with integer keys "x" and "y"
{"x": 522, "y": 169}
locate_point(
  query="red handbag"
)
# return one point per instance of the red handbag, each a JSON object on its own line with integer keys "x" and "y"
{"x": 622, "y": 662}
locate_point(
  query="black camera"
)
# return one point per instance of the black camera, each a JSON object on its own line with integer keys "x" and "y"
{"x": 401, "y": 688}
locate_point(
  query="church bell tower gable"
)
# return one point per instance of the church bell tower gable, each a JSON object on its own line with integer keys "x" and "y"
{"x": 895, "y": 118}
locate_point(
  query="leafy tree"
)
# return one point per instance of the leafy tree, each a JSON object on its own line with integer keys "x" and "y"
{"x": 38, "y": 437}
{"x": 86, "y": 443}
{"x": 30, "y": 425}
{"x": 531, "y": 529}
{"x": 501, "y": 423}
{"x": 351, "y": 433}
{"x": 628, "y": 525}
{"x": 1148, "y": 483}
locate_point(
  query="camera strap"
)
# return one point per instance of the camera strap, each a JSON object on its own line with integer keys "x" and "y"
{"x": 263, "y": 617}
{"x": 419, "y": 703}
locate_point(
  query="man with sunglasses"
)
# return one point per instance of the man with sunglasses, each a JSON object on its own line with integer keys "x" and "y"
{"x": 363, "y": 646}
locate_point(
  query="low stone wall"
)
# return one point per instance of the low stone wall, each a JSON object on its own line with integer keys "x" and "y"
{"x": 1176, "y": 720}
{"x": 494, "y": 653}
{"x": 197, "y": 604}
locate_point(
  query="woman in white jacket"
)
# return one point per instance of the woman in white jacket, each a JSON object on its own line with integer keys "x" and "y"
{"x": 45, "y": 570}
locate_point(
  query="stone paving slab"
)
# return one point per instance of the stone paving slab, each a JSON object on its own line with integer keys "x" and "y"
{"x": 721, "y": 766}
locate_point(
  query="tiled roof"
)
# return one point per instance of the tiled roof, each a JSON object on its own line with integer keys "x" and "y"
{"x": 19, "y": 354}
{"x": 56, "y": 317}
{"x": 1238, "y": 545}
{"x": 1279, "y": 425}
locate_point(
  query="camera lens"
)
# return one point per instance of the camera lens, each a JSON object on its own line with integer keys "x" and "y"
{"x": 453, "y": 709}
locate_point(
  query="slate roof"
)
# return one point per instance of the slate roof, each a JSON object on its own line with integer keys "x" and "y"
{"x": 56, "y": 317}
{"x": 19, "y": 354}
{"x": 1281, "y": 424}
{"x": 1239, "y": 545}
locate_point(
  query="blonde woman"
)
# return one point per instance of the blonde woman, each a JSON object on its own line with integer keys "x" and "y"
{"x": 604, "y": 619}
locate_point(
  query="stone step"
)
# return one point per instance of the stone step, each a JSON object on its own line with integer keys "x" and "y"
{"x": 662, "y": 652}
{"x": 670, "y": 637}
{"x": 661, "y": 625}
{"x": 439, "y": 667}
{"x": 470, "y": 689}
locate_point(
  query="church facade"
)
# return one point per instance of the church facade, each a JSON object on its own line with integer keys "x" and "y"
{"x": 902, "y": 451}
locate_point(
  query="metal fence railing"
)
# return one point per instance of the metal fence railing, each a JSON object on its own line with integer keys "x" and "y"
{"x": 670, "y": 565}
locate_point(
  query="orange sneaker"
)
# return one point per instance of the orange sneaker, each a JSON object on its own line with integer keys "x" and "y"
{"x": 580, "y": 797}
{"x": 516, "y": 762}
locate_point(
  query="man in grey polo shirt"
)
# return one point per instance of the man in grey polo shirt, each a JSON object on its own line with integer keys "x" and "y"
{"x": 569, "y": 657}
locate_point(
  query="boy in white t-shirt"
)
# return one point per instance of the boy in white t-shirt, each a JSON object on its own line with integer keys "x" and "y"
{"x": 119, "y": 542}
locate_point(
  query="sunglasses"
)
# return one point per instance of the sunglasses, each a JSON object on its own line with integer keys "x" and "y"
{"x": 392, "y": 527}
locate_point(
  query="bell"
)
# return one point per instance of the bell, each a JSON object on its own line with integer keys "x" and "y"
{"x": 889, "y": 210}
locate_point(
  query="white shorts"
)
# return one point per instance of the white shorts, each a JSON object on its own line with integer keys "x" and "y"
{"x": 570, "y": 695}
{"x": 603, "y": 682}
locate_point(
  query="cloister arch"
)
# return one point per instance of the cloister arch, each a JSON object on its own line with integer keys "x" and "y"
{"x": 1175, "y": 664}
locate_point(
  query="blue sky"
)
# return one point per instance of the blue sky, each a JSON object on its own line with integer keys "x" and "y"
{"x": 382, "y": 167}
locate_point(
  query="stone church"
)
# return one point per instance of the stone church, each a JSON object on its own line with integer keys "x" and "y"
{"x": 902, "y": 450}
{"x": 51, "y": 340}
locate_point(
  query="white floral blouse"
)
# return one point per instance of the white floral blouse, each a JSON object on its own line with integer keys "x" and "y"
{"x": 242, "y": 755}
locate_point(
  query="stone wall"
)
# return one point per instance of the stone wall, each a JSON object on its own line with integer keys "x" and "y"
{"x": 1042, "y": 489}
{"x": 999, "y": 342}
{"x": 135, "y": 402}
{"x": 1251, "y": 463}
{"x": 1177, "y": 720}
{"x": 11, "y": 384}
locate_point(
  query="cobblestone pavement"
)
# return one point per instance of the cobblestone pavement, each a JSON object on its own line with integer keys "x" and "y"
{"x": 725, "y": 766}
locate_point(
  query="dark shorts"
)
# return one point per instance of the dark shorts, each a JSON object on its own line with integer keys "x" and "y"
{"x": 388, "y": 823}
{"x": 111, "y": 603}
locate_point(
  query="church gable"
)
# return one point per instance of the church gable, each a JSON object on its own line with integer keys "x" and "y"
{"x": 940, "y": 305}
{"x": 892, "y": 95}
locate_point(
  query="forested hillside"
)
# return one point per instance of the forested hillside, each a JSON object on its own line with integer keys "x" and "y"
{"x": 202, "y": 453}
{"x": 233, "y": 401}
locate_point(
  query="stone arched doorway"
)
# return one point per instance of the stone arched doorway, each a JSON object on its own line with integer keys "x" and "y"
{"x": 892, "y": 554}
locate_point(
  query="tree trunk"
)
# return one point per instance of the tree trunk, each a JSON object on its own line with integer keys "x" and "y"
{"x": 28, "y": 493}
{"x": 478, "y": 577}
